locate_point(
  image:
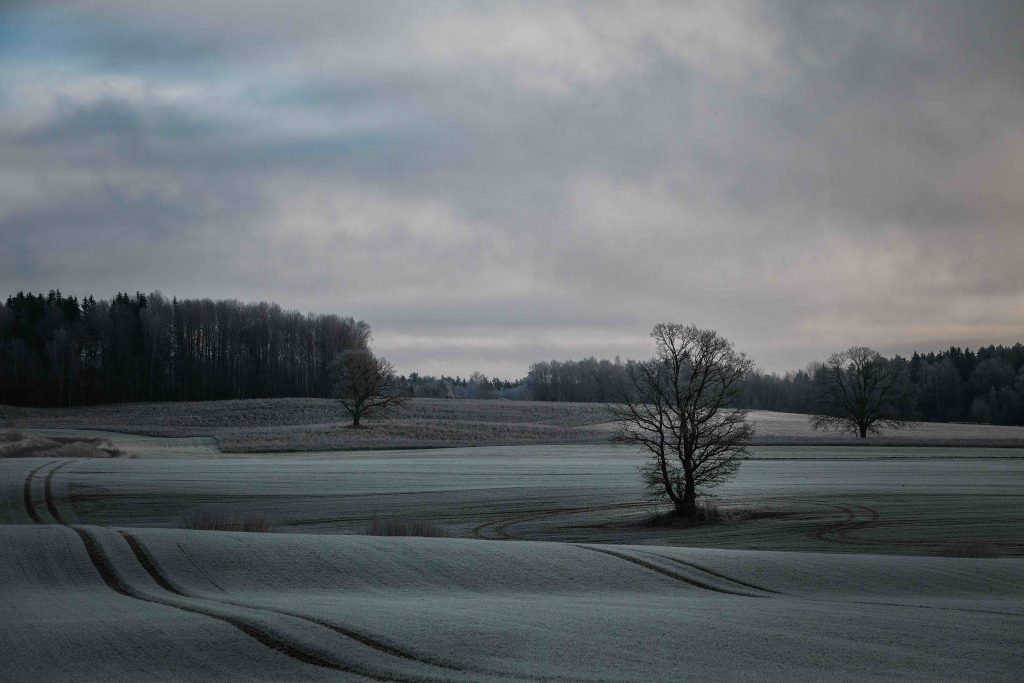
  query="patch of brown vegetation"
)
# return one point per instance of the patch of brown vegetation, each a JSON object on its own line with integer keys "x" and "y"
{"x": 966, "y": 548}
{"x": 17, "y": 444}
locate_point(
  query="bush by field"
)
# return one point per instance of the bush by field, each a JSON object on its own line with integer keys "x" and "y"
{"x": 18, "y": 444}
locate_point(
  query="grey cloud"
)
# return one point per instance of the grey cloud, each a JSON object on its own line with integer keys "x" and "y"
{"x": 753, "y": 198}
{"x": 109, "y": 117}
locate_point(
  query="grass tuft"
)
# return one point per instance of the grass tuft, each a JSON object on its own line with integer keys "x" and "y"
{"x": 709, "y": 512}
{"x": 405, "y": 527}
{"x": 211, "y": 519}
{"x": 966, "y": 548}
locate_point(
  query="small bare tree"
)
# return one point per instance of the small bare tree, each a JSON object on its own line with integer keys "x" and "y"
{"x": 365, "y": 384}
{"x": 859, "y": 391}
{"x": 676, "y": 407}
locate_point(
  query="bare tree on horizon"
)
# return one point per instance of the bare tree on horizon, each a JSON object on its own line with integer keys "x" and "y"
{"x": 365, "y": 384}
{"x": 858, "y": 391}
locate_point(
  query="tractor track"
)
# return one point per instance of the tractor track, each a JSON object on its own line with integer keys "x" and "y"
{"x": 670, "y": 574}
{"x": 500, "y": 525}
{"x": 26, "y": 492}
{"x": 709, "y": 572}
{"x": 51, "y": 504}
{"x": 852, "y": 522}
{"x": 105, "y": 566}
{"x": 148, "y": 563}
{"x": 870, "y": 603}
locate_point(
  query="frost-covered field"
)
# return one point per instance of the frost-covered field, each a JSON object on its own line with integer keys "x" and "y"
{"x": 94, "y": 603}
{"x": 318, "y": 424}
{"x": 552, "y": 574}
{"x": 879, "y": 500}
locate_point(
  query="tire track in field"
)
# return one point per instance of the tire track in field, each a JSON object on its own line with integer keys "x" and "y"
{"x": 148, "y": 563}
{"x": 717, "y": 575}
{"x": 665, "y": 572}
{"x": 107, "y": 571}
{"x": 500, "y": 525}
{"x": 870, "y": 523}
{"x": 869, "y": 603}
{"x": 51, "y": 504}
{"x": 852, "y": 522}
{"x": 818, "y": 533}
{"x": 862, "y": 517}
{"x": 26, "y": 493}
{"x": 105, "y": 567}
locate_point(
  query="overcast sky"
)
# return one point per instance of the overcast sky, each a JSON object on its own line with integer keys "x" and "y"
{"x": 490, "y": 184}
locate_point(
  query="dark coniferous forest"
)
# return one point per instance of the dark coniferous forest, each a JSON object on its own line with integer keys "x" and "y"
{"x": 56, "y": 350}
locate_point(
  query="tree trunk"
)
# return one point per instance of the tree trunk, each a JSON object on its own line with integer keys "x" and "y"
{"x": 863, "y": 431}
{"x": 688, "y": 505}
{"x": 355, "y": 419}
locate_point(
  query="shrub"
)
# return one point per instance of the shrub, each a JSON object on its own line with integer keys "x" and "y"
{"x": 12, "y": 435}
{"x": 211, "y": 519}
{"x": 405, "y": 527}
{"x": 85, "y": 449}
{"x": 966, "y": 548}
{"x": 707, "y": 511}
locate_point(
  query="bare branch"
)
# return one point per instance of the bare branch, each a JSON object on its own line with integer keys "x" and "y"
{"x": 365, "y": 384}
{"x": 676, "y": 409}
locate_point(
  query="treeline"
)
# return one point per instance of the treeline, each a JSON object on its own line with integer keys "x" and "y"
{"x": 477, "y": 385}
{"x": 956, "y": 385}
{"x": 58, "y": 351}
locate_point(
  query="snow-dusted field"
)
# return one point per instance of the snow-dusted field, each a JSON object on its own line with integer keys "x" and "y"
{"x": 879, "y": 500}
{"x": 94, "y": 603}
{"x": 552, "y": 576}
{"x": 318, "y": 424}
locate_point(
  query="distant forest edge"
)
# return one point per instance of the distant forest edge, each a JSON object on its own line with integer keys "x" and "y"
{"x": 58, "y": 351}
{"x": 956, "y": 385}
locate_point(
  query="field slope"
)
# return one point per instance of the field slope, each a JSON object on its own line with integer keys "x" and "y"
{"x": 308, "y": 424}
{"x": 89, "y": 603}
{"x": 553, "y": 576}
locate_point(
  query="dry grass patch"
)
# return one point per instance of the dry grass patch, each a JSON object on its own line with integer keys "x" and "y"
{"x": 215, "y": 519}
{"x": 710, "y": 512}
{"x": 17, "y": 444}
{"x": 966, "y": 548}
{"x": 405, "y": 527}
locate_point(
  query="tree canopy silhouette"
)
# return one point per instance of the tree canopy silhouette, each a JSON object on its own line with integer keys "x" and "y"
{"x": 676, "y": 408}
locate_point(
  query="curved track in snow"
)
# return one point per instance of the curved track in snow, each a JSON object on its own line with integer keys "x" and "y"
{"x": 262, "y": 630}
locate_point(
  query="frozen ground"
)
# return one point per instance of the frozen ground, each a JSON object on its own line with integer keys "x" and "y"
{"x": 92, "y": 603}
{"x": 96, "y": 584}
{"x": 877, "y": 500}
{"x": 318, "y": 424}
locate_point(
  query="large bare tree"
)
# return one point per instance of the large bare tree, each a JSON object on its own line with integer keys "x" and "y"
{"x": 365, "y": 384}
{"x": 676, "y": 407}
{"x": 859, "y": 391}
